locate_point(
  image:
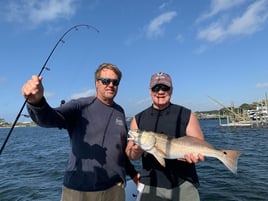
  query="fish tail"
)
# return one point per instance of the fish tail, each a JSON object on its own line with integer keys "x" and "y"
{"x": 229, "y": 159}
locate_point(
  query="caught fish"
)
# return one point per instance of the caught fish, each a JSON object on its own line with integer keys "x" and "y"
{"x": 165, "y": 147}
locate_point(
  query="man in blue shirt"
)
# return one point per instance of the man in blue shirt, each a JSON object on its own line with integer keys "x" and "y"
{"x": 97, "y": 164}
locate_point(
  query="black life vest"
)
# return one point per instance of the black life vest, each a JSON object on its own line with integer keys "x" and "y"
{"x": 173, "y": 122}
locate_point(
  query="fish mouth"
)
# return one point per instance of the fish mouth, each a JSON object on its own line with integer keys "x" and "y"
{"x": 131, "y": 136}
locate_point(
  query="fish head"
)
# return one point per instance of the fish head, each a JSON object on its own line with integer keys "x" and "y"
{"x": 145, "y": 140}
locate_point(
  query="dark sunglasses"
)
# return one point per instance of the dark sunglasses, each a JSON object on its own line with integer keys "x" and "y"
{"x": 107, "y": 81}
{"x": 157, "y": 88}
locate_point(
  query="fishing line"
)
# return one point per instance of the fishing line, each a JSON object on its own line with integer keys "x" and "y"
{"x": 40, "y": 73}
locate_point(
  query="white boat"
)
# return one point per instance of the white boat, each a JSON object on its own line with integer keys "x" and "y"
{"x": 237, "y": 124}
{"x": 230, "y": 123}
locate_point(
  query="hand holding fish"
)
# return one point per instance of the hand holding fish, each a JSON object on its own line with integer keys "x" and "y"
{"x": 191, "y": 158}
{"x": 134, "y": 150}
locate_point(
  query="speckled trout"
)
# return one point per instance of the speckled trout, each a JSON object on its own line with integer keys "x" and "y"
{"x": 165, "y": 147}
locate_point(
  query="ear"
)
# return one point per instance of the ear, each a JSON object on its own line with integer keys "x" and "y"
{"x": 171, "y": 91}
{"x": 150, "y": 92}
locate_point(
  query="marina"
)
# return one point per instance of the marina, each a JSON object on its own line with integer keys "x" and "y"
{"x": 252, "y": 116}
{"x": 248, "y": 118}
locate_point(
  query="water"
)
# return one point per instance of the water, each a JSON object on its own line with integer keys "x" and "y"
{"x": 251, "y": 181}
{"x": 33, "y": 161}
{"x": 32, "y": 164}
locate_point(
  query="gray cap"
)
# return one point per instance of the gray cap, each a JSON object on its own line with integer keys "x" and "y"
{"x": 160, "y": 78}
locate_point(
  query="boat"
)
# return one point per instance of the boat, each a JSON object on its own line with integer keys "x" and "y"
{"x": 251, "y": 118}
{"x": 230, "y": 123}
{"x": 237, "y": 124}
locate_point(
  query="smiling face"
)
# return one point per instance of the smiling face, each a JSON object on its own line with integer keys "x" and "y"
{"x": 161, "y": 97}
{"x": 106, "y": 86}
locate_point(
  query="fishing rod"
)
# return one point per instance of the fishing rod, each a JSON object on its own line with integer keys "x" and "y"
{"x": 40, "y": 73}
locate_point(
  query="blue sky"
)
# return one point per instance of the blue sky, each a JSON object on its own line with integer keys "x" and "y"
{"x": 214, "y": 48}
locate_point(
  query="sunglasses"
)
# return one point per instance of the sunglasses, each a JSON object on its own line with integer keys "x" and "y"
{"x": 157, "y": 88}
{"x": 107, "y": 81}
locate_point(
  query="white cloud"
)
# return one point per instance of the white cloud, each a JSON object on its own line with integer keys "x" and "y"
{"x": 251, "y": 21}
{"x": 215, "y": 32}
{"x": 49, "y": 94}
{"x": 155, "y": 28}
{"x": 262, "y": 85}
{"x": 144, "y": 101}
{"x": 165, "y": 5}
{"x": 89, "y": 92}
{"x": 201, "y": 49}
{"x": 36, "y": 12}
{"x": 218, "y": 6}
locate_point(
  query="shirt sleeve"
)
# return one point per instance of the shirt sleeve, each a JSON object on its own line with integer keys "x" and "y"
{"x": 46, "y": 116}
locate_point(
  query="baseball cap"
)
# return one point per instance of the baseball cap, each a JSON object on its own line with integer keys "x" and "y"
{"x": 160, "y": 78}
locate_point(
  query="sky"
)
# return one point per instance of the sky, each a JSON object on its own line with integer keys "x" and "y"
{"x": 210, "y": 48}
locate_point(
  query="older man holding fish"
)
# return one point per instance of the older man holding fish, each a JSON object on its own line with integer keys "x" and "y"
{"x": 177, "y": 179}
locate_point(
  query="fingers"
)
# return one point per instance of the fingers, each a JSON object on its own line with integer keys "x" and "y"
{"x": 135, "y": 148}
{"x": 33, "y": 89}
{"x": 133, "y": 151}
{"x": 190, "y": 158}
{"x": 201, "y": 157}
{"x": 133, "y": 145}
{"x": 31, "y": 86}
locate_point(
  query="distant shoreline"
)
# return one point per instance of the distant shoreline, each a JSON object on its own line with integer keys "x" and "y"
{"x": 16, "y": 126}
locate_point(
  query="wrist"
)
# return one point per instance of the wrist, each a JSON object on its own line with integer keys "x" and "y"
{"x": 39, "y": 103}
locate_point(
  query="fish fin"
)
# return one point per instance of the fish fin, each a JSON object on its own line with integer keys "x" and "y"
{"x": 160, "y": 160}
{"x": 159, "y": 157}
{"x": 160, "y": 152}
{"x": 229, "y": 159}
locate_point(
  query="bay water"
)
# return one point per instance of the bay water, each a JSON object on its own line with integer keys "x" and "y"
{"x": 33, "y": 162}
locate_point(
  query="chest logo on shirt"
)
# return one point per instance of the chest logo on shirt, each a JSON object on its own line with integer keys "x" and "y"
{"x": 119, "y": 122}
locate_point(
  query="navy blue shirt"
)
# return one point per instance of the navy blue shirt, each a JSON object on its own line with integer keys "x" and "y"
{"x": 98, "y": 136}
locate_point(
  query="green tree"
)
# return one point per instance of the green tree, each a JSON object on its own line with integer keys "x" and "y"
{"x": 246, "y": 106}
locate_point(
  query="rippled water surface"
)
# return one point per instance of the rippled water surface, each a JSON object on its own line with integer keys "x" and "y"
{"x": 251, "y": 181}
{"x": 33, "y": 162}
